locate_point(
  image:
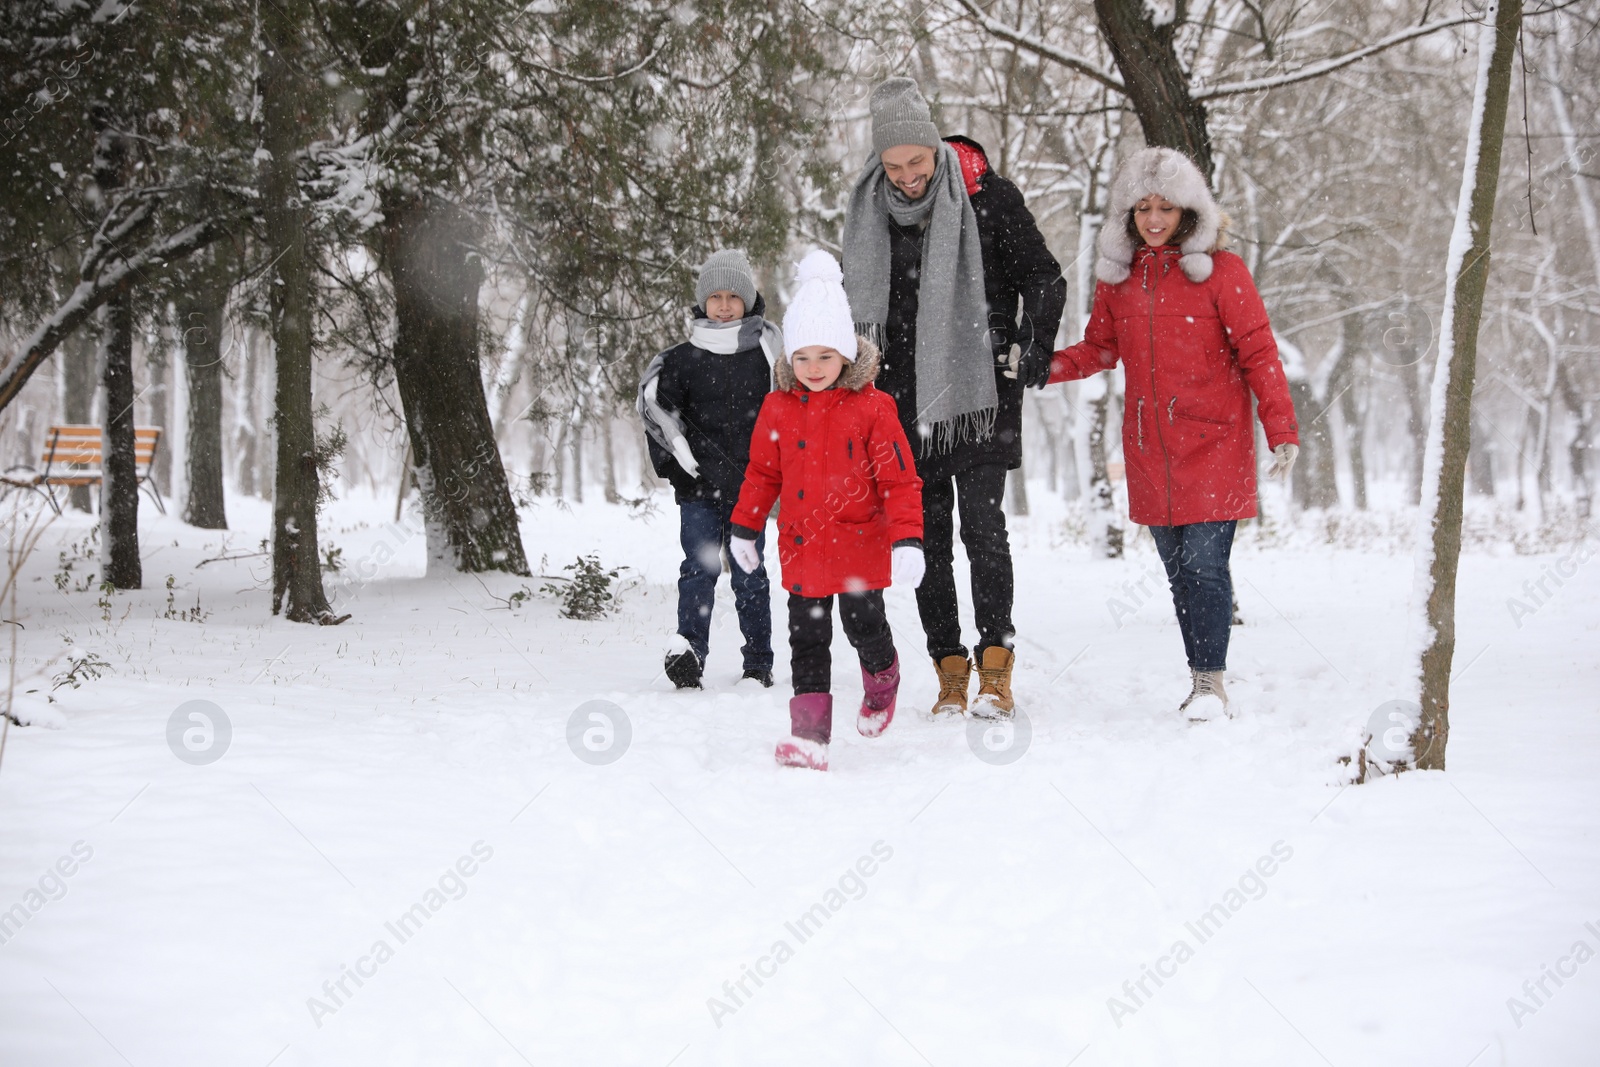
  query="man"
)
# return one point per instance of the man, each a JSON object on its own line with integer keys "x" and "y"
{"x": 947, "y": 271}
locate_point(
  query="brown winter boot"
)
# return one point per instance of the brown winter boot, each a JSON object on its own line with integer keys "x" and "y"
{"x": 955, "y": 673}
{"x": 994, "y": 684}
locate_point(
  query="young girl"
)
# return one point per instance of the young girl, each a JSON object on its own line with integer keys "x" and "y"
{"x": 1194, "y": 343}
{"x": 829, "y": 446}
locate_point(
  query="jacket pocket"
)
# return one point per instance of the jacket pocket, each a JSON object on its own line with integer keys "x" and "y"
{"x": 1173, "y": 414}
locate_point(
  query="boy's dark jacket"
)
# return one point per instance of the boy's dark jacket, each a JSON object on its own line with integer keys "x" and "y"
{"x": 717, "y": 398}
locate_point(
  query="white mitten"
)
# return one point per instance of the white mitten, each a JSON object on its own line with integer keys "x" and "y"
{"x": 685, "y": 458}
{"x": 1283, "y": 458}
{"x": 906, "y": 565}
{"x": 743, "y": 551}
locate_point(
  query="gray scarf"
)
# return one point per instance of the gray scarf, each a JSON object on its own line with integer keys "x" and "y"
{"x": 955, "y": 366}
{"x": 726, "y": 338}
{"x": 722, "y": 338}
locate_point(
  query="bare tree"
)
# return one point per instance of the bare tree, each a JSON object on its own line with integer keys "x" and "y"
{"x": 1450, "y": 435}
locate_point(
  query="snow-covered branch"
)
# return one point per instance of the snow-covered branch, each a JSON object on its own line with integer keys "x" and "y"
{"x": 93, "y": 291}
{"x": 1329, "y": 65}
{"x": 995, "y": 28}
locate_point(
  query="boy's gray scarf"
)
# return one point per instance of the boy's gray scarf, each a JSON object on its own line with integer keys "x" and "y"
{"x": 956, "y": 399}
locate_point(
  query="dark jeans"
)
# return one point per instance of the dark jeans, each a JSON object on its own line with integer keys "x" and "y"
{"x": 811, "y": 635}
{"x": 1196, "y": 559}
{"x": 704, "y": 530}
{"x": 980, "y": 491}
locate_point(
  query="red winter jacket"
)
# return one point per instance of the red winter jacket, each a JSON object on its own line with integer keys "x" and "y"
{"x": 1192, "y": 353}
{"x": 840, "y": 464}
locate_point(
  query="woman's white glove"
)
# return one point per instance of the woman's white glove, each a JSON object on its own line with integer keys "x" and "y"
{"x": 743, "y": 551}
{"x": 1283, "y": 458}
{"x": 906, "y": 565}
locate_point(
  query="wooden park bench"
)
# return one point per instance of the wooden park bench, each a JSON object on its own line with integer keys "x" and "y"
{"x": 72, "y": 457}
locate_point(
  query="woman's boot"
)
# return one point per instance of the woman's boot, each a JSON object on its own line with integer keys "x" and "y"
{"x": 1207, "y": 700}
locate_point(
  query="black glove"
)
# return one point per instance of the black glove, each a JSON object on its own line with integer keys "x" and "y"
{"x": 1033, "y": 370}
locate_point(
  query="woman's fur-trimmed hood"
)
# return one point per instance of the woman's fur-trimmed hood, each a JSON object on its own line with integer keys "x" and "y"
{"x": 1159, "y": 172}
{"x": 855, "y": 376}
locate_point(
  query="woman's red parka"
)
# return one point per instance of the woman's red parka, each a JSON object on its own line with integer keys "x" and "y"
{"x": 1192, "y": 354}
{"x": 839, "y": 466}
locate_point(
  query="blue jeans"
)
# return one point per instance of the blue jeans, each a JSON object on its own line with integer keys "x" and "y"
{"x": 1196, "y": 559}
{"x": 704, "y": 530}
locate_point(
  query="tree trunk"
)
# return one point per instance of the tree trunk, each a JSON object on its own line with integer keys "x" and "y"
{"x": 77, "y": 397}
{"x": 1416, "y": 425}
{"x": 248, "y": 447}
{"x": 1103, "y": 522}
{"x": 1352, "y": 403}
{"x": 1156, "y": 84}
{"x": 607, "y": 433}
{"x": 1321, "y": 473}
{"x": 158, "y": 399}
{"x": 1578, "y": 448}
{"x": 296, "y": 570}
{"x": 1450, "y": 435}
{"x": 1017, "y": 490}
{"x": 119, "y": 480}
{"x": 119, "y": 485}
{"x": 428, "y": 253}
{"x": 200, "y": 320}
{"x": 576, "y": 441}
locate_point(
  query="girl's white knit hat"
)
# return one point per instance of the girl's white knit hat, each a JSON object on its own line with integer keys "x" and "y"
{"x": 819, "y": 312}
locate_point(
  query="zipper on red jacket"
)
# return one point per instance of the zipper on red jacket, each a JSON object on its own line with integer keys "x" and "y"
{"x": 1166, "y": 457}
{"x": 1138, "y": 422}
{"x": 898, "y": 457}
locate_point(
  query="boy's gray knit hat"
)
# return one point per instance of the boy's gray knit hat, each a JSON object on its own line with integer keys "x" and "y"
{"x": 728, "y": 269}
{"x": 900, "y": 116}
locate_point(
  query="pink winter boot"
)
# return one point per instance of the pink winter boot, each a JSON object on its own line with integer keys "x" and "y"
{"x": 811, "y": 724}
{"x": 877, "y": 699}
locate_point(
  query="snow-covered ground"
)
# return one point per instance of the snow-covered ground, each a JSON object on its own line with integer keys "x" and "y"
{"x": 400, "y": 859}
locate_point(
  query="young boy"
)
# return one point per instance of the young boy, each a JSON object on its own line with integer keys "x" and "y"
{"x": 699, "y": 402}
{"x": 830, "y": 446}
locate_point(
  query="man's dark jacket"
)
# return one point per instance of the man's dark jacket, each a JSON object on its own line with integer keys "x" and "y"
{"x": 1026, "y": 295}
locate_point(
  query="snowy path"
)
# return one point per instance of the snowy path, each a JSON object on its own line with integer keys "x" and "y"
{"x": 980, "y": 914}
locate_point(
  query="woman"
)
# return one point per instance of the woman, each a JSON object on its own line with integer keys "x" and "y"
{"x": 1184, "y": 319}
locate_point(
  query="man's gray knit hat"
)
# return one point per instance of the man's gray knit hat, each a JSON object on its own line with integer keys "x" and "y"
{"x": 728, "y": 269}
{"x": 900, "y": 116}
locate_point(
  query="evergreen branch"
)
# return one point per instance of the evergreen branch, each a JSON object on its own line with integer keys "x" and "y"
{"x": 94, "y": 291}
